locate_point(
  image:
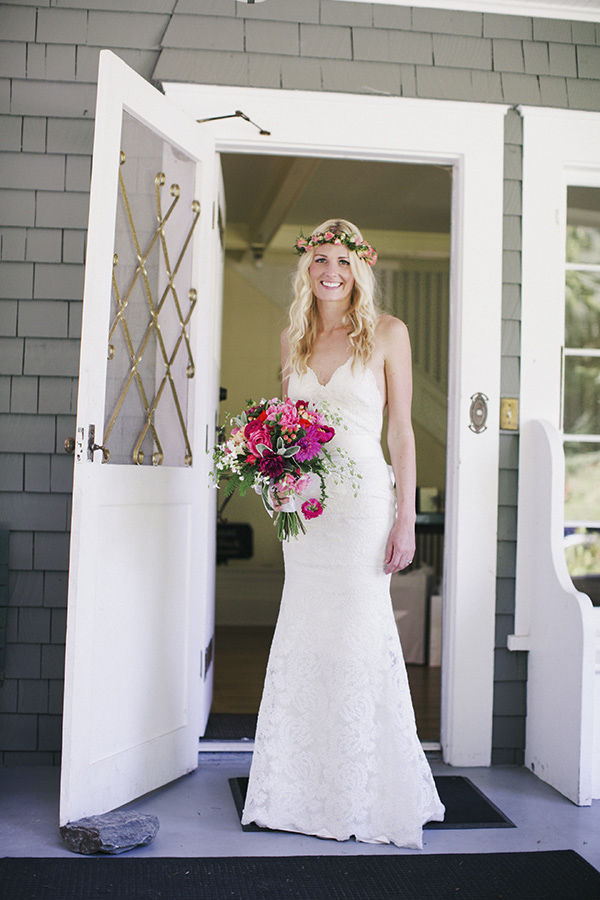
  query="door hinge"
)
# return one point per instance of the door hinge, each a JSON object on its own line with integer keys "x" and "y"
{"x": 207, "y": 658}
{"x": 80, "y": 448}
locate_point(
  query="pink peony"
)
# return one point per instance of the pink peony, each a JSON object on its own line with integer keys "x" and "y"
{"x": 311, "y": 509}
{"x": 288, "y": 414}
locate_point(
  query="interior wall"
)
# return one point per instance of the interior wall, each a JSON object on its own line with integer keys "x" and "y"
{"x": 431, "y": 460}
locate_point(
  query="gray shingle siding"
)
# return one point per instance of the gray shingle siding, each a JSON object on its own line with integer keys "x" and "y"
{"x": 48, "y": 65}
{"x": 524, "y": 51}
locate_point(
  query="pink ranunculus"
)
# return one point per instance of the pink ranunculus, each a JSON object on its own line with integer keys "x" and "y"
{"x": 316, "y": 417}
{"x": 311, "y": 508}
{"x": 257, "y": 433}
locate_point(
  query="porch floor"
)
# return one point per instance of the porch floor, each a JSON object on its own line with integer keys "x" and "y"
{"x": 198, "y": 817}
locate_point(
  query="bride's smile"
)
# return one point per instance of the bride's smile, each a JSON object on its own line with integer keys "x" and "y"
{"x": 330, "y": 273}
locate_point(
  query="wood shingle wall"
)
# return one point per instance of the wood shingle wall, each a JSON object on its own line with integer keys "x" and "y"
{"x": 48, "y": 62}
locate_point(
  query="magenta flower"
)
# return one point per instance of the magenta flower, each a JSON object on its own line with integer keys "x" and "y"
{"x": 325, "y": 434}
{"x": 271, "y": 464}
{"x": 256, "y": 433}
{"x": 310, "y": 445}
{"x": 311, "y": 509}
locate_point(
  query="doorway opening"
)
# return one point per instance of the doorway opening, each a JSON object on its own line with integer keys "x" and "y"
{"x": 405, "y": 211}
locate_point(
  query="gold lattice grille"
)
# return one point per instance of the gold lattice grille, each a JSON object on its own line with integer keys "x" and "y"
{"x": 150, "y": 327}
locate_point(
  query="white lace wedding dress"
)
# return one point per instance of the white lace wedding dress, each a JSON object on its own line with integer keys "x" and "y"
{"x": 336, "y": 752}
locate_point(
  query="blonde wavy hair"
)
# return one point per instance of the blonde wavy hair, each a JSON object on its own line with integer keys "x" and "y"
{"x": 304, "y": 314}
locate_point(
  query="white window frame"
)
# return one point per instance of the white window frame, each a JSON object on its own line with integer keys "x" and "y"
{"x": 560, "y": 148}
{"x": 572, "y": 352}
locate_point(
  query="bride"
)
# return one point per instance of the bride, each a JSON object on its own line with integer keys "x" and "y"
{"x": 336, "y": 752}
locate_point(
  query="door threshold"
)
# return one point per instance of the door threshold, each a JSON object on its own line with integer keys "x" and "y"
{"x": 247, "y": 746}
{"x": 243, "y": 745}
{"x": 431, "y": 746}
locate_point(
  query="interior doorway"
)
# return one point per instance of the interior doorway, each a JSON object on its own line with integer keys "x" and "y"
{"x": 405, "y": 211}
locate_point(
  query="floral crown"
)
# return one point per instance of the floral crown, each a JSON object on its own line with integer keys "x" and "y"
{"x": 361, "y": 248}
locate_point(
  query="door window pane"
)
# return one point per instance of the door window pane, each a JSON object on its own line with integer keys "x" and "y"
{"x": 150, "y": 366}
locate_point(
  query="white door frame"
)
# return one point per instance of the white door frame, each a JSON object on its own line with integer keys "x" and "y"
{"x": 469, "y": 137}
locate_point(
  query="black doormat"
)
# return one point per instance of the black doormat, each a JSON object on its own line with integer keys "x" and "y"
{"x": 466, "y": 806}
{"x": 546, "y": 875}
{"x": 230, "y": 727}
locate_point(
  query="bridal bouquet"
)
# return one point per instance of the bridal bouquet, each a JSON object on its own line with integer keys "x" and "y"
{"x": 276, "y": 447}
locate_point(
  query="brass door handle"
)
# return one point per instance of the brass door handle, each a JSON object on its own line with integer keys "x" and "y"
{"x": 69, "y": 445}
{"x": 93, "y": 446}
{"x": 105, "y": 451}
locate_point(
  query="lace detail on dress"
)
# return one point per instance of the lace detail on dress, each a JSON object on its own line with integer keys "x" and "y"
{"x": 336, "y": 752}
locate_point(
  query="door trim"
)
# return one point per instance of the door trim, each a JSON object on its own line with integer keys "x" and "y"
{"x": 470, "y": 138}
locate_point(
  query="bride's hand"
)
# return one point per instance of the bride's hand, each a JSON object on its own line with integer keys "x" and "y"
{"x": 400, "y": 549}
{"x": 276, "y": 502}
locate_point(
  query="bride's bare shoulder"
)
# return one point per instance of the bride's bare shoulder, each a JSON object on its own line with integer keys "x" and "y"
{"x": 390, "y": 331}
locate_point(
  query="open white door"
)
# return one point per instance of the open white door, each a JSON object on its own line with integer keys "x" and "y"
{"x": 138, "y": 677}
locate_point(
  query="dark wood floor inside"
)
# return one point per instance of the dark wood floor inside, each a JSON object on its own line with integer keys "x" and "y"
{"x": 241, "y": 655}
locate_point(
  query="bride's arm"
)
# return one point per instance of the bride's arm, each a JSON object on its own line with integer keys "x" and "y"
{"x": 400, "y": 548}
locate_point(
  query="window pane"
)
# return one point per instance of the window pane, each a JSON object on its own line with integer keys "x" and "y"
{"x": 582, "y": 482}
{"x": 583, "y": 244}
{"x": 582, "y": 551}
{"x": 582, "y": 395}
{"x": 583, "y": 224}
{"x": 582, "y": 310}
